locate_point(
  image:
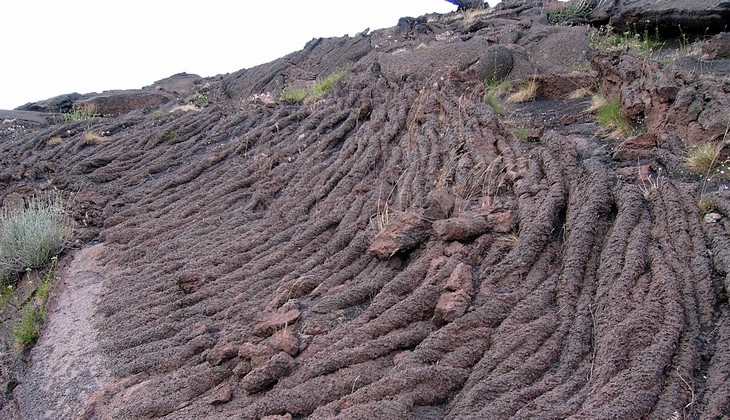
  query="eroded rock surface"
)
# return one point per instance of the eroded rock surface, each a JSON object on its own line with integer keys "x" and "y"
{"x": 396, "y": 248}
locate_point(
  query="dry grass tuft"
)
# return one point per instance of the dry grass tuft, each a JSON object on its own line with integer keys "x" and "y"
{"x": 580, "y": 93}
{"x": 525, "y": 93}
{"x": 93, "y": 138}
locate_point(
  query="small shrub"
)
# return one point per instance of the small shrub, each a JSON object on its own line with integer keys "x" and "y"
{"x": 525, "y": 93}
{"x": 30, "y": 236}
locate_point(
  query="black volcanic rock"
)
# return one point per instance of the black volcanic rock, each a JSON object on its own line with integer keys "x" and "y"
{"x": 668, "y": 16}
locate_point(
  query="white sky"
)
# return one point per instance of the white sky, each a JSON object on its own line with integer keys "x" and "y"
{"x": 52, "y": 47}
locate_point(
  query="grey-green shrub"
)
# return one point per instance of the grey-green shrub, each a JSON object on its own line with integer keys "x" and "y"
{"x": 31, "y": 234}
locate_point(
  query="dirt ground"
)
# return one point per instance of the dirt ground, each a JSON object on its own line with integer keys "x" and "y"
{"x": 390, "y": 250}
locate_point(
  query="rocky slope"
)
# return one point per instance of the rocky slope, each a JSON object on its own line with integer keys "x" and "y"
{"x": 408, "y": 244}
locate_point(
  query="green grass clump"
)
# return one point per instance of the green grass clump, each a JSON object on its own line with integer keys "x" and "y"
{"x": 493, "y": 90}
{"x": 704, "y": 159}
{"x": 83, "y": 113}
{"x": 316, "y": 91}
{"x": 28, "y": 327}
{"x": 609, "y": 115}
{"x": 325, "y": 85}
{"x": 31, "y": 235}
{"x": 290, "y": 94}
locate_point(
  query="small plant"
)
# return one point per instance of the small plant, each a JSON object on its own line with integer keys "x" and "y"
{"x": 705, "y": 205}
{"x": 200, "y": 98}
{"x": 522, "y": 133}
{"x": 704, "y": 159}
{"x": 605, "y": 39}
{"x": 525, "y": 93}
{"x": 83, "y": 113}
{"x": 293, "y": 95}
{"x": 93, "y": 138}
{"x": 579, "y": 93}
{"x": 609, "y": 115}
{"x": 323, "y": 87}
{"x": 30, "y": 236}
{"x": 54, "y": 141}
{"x": 28, "y": 328}
{"x": 493, "y": 90}
{"x": 577, "y": 8}
{"x": 316, "y": 91}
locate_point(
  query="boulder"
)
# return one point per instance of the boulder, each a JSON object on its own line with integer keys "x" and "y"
{"x": 402, "y": 234}
{"x": 495, "y": 63}
{"x": 668, "y": 16}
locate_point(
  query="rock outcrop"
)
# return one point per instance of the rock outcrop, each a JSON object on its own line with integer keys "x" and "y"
{"x": 449, "y": 229}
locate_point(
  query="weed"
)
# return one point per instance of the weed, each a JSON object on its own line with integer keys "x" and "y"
{"x": 169, "y": 135}
{"x": 293, "y": 95}
{"x": 316, "y": 91}
{"x": 704, "y": 159}
{"x": 30, "y": 236}
{"x": 511, "y": 239}
{"x": 705, "y": 205}
{"x": 28, "y": 328}
{"x": 574, "y": 9}
{"x": 493, "y": 90}
{"x": 605, "y": 39}
{"x": 325, "y": 85}
{"x": 609, "y": 115}
{"x": 200, "y": 98}
{"x": 525, "y": 93}
{"x": 83, "y": 113}
{"x": 522, "y": 133}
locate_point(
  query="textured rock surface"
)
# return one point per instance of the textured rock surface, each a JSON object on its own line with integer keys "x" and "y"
{"x": 264, "y": 259}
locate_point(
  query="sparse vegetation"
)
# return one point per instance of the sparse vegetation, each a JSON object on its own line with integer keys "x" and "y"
{"x": 525, "y": 93}
{"x": 293, "y": 95}
{"x": 30, "y": 236}
{"x": 522, "y": 133}
{"x": 83, "y": 113}
{"x": 579, "y": 93}
{"x": 200, "y": 98}
{"x": 93, "y": 138}
{"x": 705, "y": 159}
{"x": 54, "y": 141}
{"x": 605, "y": 39}
{"x": 28, "y": 327}
{"x": 577, "y": 8}
{"x": 609, "y": 115}
{"x": 316, "y": 91}
{"x": 493, "y": 90}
